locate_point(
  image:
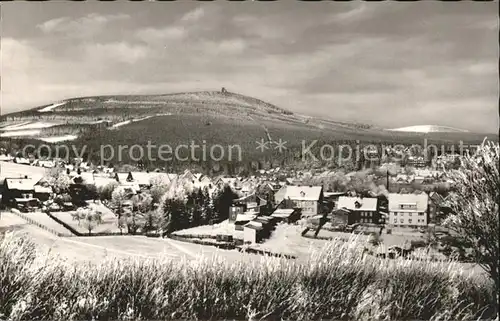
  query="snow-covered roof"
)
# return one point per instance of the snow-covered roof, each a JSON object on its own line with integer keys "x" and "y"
{"x": 21, "y": 184}
{"x": 300, "y": 193}
{"x": 420, "y": 201}
{"x": 357, "y": 203}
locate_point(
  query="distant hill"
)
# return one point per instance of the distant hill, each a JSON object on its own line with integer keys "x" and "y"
{"x": 429, "y": 129}
{"x": 211, "y": 116}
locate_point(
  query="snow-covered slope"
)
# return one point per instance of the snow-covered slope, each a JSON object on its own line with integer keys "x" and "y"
{"x": 429, "y": 129}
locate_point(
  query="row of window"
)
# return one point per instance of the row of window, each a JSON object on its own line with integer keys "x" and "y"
{"x": 401, "y": 220}
{"x": 407, "y": 206}
{"x": 409, "y": 214}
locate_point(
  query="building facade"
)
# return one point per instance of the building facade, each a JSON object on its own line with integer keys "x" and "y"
{"x": 307, "y": 198}
{"x": 361, "y": 210}
{"x": 408, "y": 210}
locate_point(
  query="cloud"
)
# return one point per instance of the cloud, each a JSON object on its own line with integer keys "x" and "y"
{"x": 81, "y": 27}
{"x": 115, "y": 52}
{"x": 177, "y": 30}
{"x": 358, "y": 12}
{"x": 230, "y": 46}
{"x": 344, "y": 61}
{"x": 155, "y": 35}
{"x": 194, "y": 15}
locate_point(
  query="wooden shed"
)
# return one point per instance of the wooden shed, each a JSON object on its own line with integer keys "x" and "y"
{"x": 252, "y": 232}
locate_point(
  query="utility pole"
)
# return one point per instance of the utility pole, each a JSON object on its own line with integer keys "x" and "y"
{"x": 387, "y": 179}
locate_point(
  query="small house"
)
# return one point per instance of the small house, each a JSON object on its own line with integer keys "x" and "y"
{"x": 42, "y": 192}
{"x": 340, "y": 217}
{"x": 21, "y": 160}
{"x": 362, "y": 209}
{"x": 250, "y": 203}
{"x": 17, "y": 189}
{"x": 308, "y": 198}
{"x": 287, "y": 215}
{"x": 6, "y": 158}
{"x": 242, "y": 219}
{"x": 253, "y": 232}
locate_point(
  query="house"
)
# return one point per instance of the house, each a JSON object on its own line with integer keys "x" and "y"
{"x": 101, "y": 181}
{"x": 83, "y": 178}
{"x": 142, "y": 179}
{"x": 418, "y": 179}
{"x": 42, "y": 192}
{"x": 403, "y": 178}
{"x": 333, "y": 197}
{"x": 340, "y": 217}
{"x": 287, "y": 215}
{"x": 417, "y": 161}
{"x": 21, "y": 160}
{"x": 6, "y": 158}
{"x": 428, "y": 173}
{"x": 128, "y": 188}
{"x": 45, "y": 163}
{"x": 20, "y": 191}
{"x": 108, "y": 170}
{"x": 253, "y": 232}
{"x": 228, "y": 181}
{"x": 188, "y": 176}
{"x": 362, "y": 209}
{"x": 197, "y": 180}
{"x": 85, "y": 166}
{"x": 243, "y": 218}
{"x": 250, "y": 203}
{"x": 308, "y": 198}
{"x": 408, "y": 210}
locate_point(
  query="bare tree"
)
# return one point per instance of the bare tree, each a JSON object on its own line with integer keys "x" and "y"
{"x": 58, "y": 179}
{"x": 118, "y": 199}
{"x": 475, "y": 207}
{"x": 135, "y": 218}
{"x": 90, "y": 219}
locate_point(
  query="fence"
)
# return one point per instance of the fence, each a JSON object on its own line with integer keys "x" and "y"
{"x": 67, "y": 226}
{"x": 248, "y": 249}
{"x": 32, "y": 221}
{"x": 221, "y": 245}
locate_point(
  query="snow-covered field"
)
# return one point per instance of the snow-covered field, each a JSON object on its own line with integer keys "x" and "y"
{"x": 221, "y": 228}
{"x": 134, "y": 102}
{"x": 29, "y": 125}
{"x": 51, "y": 107}
{"x": 126, "y": 122}
{"x": 57, "y": 139}
{"x": 121, "y": 123}
{"x": 15, "y": 133}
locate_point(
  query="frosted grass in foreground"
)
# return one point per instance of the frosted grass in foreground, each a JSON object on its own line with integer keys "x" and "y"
{"x": 337, "y": 282}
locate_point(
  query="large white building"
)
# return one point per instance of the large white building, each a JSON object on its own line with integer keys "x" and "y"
{"x": 307, "y": 198}
{"x": 408, "y": 210}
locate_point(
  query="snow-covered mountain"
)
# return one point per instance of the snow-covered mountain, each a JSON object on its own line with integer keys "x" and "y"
{"x": 429, "y": 129}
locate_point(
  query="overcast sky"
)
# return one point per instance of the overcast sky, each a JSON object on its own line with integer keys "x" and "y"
{"x": 389, "y": 64}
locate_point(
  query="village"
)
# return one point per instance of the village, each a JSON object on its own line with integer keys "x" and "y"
{"x": 396, "y": 209}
